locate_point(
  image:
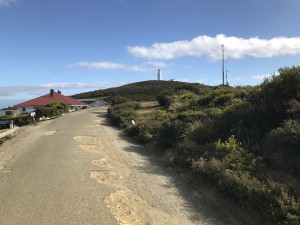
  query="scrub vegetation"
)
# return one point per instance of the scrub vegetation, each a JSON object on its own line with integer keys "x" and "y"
{"x": 244, "y": 140}
{"x": 51, "y": 110}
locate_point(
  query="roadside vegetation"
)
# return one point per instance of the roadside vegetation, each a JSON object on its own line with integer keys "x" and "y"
{"x": 52, "y": 110}
{"x": 244, "y": 140}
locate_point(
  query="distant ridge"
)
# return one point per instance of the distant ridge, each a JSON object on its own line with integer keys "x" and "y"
{"x": 141, "y": 91}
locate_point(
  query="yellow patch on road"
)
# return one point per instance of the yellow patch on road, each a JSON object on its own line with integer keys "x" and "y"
{"x": 100, "y": 162}
{"x": 97, "y": 121}
{"x": 88, "y": 139}
{"x": 92, "y": 148}
{"x": 127, "y": 208}
{"x": 108, "y": 177}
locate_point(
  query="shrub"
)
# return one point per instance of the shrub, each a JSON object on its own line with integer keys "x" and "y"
{"x": 45, "y": 112}
{"x": 165, "y": 100}
{"x": 123, "y": 114}
{"x": 22, "y": 120}
{"x": 142, "y": 131}
{"x": 171, "y": 133}
{"x": 203, "y": 132}
{"x": 116, "y": 100}
{"x": 282, "y": 146}
{"x": 233, "y": 170}
{"x": 284, "y": 86}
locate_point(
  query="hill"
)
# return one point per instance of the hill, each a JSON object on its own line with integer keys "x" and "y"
{"x": 243, "y": 140}
{"x": 141, "y": 91}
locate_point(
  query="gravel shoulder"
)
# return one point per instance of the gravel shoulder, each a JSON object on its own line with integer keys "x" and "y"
{"x": 148, "y": 191}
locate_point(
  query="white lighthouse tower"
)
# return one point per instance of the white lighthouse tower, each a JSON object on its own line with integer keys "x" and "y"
{"x": 159, "y": 76}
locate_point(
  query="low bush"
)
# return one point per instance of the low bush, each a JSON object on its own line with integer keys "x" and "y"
{"x": 233, "y": 170}
{"x": 143, "y": 132}
{"x": 282, "y": 147}
{"x": 116, "y": 100}
{"x": 123, "y": 114}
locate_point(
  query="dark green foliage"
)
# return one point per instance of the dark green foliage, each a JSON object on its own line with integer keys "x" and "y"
{"x": 123, "y": 114}
{"x": 282, "y": 147}
{"x": 45, "y": 111}
{"x": 242, "y": 139}
{"x": 52, "y": 110}
{"x": 171, "y": 133}
{"x": 20, "y": 120}
{"x": 140, "y": 91}
{"x": 116, "y": 100}
{"x": 283, "y": 87}
{"x": 234, "y": 170}
{"x": 165, "y": 100}
{"x": 143, "y": 132}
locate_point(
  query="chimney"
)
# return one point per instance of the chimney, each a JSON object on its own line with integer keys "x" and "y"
{"x": 51, "y": 92}
{"x": 58, "y": 91}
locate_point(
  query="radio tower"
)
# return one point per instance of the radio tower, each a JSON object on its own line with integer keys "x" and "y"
{"x": 222, "y": 64}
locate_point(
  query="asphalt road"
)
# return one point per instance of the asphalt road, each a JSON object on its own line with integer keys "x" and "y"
{"x": 47, "y": 182}
{"x": 79, "y": 170}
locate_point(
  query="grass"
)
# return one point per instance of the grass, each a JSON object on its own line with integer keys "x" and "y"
{"x": 148, "y": 109}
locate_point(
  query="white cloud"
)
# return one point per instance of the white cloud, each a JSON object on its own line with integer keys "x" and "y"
{"x": 235, "y": 47}
{"x": 138, "y": 69}
{"x": 158, "y": 64}
{"x": 97, "y": 65}
{"x": 8, "y": 3}
{"x": 42, "y": 89}
{"x": 108, "y": 66}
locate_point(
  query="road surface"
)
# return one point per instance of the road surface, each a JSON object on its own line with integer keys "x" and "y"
{"x": 79, "y": 170}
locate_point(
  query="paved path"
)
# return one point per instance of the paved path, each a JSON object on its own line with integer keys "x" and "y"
{"x": 46, "y": 181}
{"x": 78, "y": 170}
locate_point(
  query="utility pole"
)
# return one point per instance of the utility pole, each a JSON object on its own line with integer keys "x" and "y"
{"x": 222, "y": 64}
{"x": 227, "y": 84}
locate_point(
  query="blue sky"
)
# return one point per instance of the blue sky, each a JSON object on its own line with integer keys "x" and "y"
{"x": 82, "y": 45}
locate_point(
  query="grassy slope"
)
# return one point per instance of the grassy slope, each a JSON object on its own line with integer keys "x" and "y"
{"x": 140, "y": 91}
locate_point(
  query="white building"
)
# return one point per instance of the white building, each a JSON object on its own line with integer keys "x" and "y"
{"x": 159, "y": 75}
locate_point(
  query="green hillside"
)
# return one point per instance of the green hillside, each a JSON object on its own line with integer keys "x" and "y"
{"x": 243, "y": 140}
{"x": 141, "y": 91}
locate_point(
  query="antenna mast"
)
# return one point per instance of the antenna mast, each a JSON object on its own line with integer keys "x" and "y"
{"x": 222, "y": 64}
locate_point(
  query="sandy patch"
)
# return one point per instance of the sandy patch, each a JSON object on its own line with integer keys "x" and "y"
{"x": 101, "y": 162}
{"x": 97, "y": 121}
{"x": 92, "y": 148}
{"x": 108, "y": 177}
{"x": 88, "y": 139}
{"x": 127, "y": 208}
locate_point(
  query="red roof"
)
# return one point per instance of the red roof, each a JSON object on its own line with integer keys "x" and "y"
{"x": 51, "y": 97}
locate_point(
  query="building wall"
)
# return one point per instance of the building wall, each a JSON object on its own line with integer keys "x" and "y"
{"x": 26, "y": 109}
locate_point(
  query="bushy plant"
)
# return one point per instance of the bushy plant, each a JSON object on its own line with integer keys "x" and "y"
{"x": 233, "y": 170}
{"x": 282, "y": 146}
{"x": 202, "y": 132}
{"x": 143, "y": 132}
{"x": 165, "y": 100}
{"x": 116, "y": 100}
{"x": 171, "y": 133}
{"x": 45, "y": 112}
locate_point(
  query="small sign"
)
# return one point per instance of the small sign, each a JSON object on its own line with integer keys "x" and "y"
{"x": 32, "y": 114}
{"x": 7, "y": 122}
{"x": 3, "y": 122}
